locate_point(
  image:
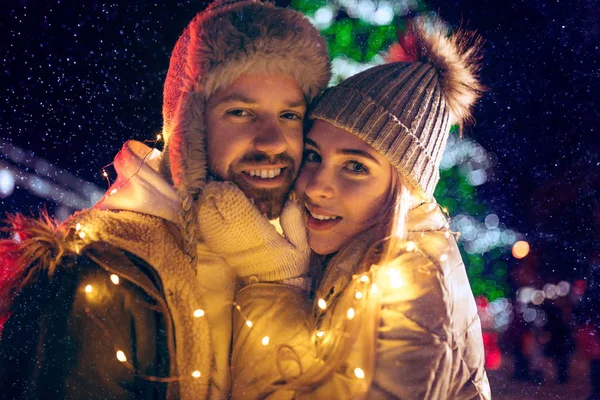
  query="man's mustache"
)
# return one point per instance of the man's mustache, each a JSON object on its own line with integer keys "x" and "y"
{"x": 262, "y": 159}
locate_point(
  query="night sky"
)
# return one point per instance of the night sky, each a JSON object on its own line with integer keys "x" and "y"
{"x": 81, "y": 77}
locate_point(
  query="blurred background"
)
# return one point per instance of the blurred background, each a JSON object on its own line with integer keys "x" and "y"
{"x": 521, "y": 185}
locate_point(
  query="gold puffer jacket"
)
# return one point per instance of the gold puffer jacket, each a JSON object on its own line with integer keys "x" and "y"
{"x": 416, "y": 336}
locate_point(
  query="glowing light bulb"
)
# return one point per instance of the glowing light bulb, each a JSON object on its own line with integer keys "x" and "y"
{"x": 114, "y": 278}
{"x": 121, "y": 356}
{"x": 359, "y": 373}
{"x": 249, "y": 323}
{"x": 320, "y": 334}
{"x": 322, "y": 304}
{"x": 88, "y": 289}
{"x": 196, "y": 374}
{"x": 104, "y": 174}
{"x": 364, "y": 279}
{"x": 158, "y": 137}
{"x": 520, "y": 249}
{"x": 410, "y": 246}
{"x": 199, "y": 313}
{"x": 113, "y": 191}
{"x": 358, "y": 295}
{"x": 444, "y": 257}
{"x": 395, "y": 280}
{"x": 81, "y": 234}
{"x": 374, "y": 288}
{"x": 351, "y": 313}
{"x": 77, "y": 227}
{"x": 265, "y": 341}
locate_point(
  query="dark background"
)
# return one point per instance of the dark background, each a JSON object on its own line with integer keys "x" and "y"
{"x": 81, "y": 77}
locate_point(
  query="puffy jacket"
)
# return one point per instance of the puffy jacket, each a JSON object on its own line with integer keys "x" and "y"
{"x": 418, "y": 337}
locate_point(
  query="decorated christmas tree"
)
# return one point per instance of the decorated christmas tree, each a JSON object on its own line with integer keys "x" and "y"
{"x": 358, "y": 33}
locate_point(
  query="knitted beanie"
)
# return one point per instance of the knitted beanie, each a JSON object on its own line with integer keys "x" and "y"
{"x": 228, "y": 39}
{"x": 404, "y": 109}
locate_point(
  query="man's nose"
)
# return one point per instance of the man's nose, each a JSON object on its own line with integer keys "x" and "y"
{"x": 270, "y": 139}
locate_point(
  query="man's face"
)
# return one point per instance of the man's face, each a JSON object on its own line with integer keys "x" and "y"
{"x": 254, "y": 137}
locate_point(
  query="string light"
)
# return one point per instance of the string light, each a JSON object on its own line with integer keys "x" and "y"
{"x": 322, "y": 304}
{"x": 199, "y": 313}
{"x": 158, "y": 137}
{"x": 249, "y": 323}
{"x": 364, "y": 279}
{"x": 265, "y": 341}
{"x": 196, "y": 374}
{"x": 320, "y": 334}
{"x": 81, "y": 234}
{"x": 77, "y": 227}
{"x": 359, "y": 373}
{"x": 410, "y": 246}
{"x": 444, "y": 257}
{"x": 351, "y": 313}
{"x": 88, "y": 289}
{"x": 374, "y": 288}
{"x": 395, "y": 280}
{"x": 121, "y": 356}
{"x": 358, "y": 295}
{"x": 114, "y": 278}
{"x": 113, "y": 191}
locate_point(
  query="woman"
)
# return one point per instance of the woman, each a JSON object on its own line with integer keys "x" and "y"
{"x": 394, "y": 315}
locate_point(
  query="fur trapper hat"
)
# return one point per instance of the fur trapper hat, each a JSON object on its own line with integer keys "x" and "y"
{"x": 228, "y": 39}
{"x": 405, "y": 108}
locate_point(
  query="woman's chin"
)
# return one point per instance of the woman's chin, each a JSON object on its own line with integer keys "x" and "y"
{"x": 323, "y": 247}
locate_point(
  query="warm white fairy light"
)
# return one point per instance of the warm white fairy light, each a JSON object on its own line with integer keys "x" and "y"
{"x": 351, "y": 313}
{"x": 320, "y": 334}
{"x": 77, "y": 227}
{"x": 359, "y": 373}
{"x": 158, "y": 137}
{"x": 394, "y": 276}
{"x": 81, "y": 234}
{"x": 115, "y": 279}
{"x": 113, "y": 191}
{"x": 121, "y": 356}
{"x": 104, "y": 174}
{"x": 444, "y": 257}
{"x": 410, "y": 246}
{"x": 199, "y": 313}
{"x": 265, "y": 341}
{"x": 196, "y": 374}
{"x": 249, "y": 323}
{"x": 374, "y": 288}
{"x": 358, "y": 295}
{"x": 88, "y": 289}
{"x": 364, "y": 279}
{"x": 322, "y": 304}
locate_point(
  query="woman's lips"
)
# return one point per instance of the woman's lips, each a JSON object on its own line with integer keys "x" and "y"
{"x": 320, "y": 224}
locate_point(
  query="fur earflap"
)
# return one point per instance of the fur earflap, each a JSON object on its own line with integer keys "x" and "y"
{"x": 38, "y": 249}
{"x": 456, "y": 58}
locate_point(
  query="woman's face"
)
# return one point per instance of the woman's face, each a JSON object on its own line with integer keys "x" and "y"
{"x": 343, "y": 183}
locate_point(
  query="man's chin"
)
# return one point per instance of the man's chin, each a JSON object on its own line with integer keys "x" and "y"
{"x": 269, "y": 201}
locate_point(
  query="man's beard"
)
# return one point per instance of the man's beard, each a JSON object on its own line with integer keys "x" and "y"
{"x": 270, "y": 202}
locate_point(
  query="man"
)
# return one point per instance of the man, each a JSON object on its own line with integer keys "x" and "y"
{"x": 124, "y": 300}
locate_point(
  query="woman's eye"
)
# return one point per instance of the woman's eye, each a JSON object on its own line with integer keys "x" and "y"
{"x": 291, "y": 116}
{"x": 311, "y": 156}
{"x": 357, "y": 168}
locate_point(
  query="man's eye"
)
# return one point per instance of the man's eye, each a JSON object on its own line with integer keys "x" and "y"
{"x": 292, "y": 116}
{"x": 238, "y": 113}
{"x": 311, "y": 156}
{"x": 356, "y": 168}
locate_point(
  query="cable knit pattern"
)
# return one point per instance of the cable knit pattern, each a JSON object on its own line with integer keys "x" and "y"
{"x": 233, "y": 227}
{"x": 148, "y": 238}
